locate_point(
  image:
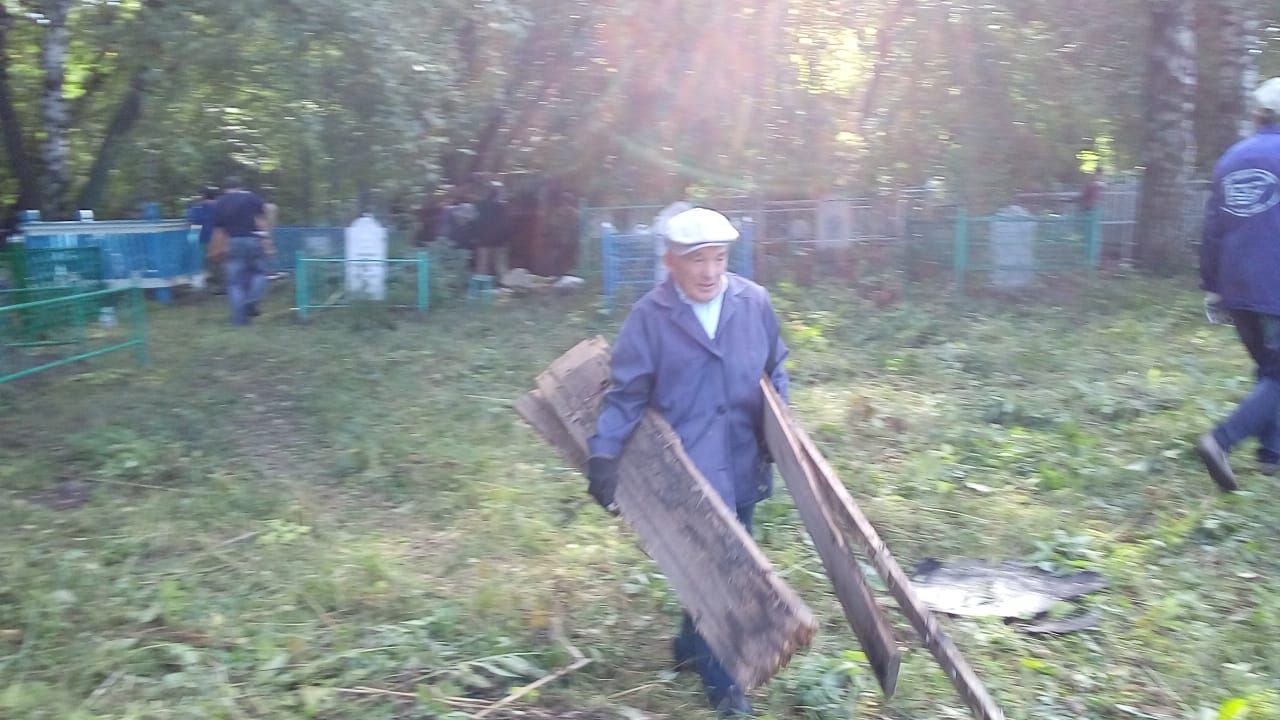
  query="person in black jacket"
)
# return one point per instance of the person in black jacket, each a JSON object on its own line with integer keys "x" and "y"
{"x": 491, "y": 234}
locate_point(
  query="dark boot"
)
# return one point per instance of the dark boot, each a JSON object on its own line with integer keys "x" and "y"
{"x": 733, "y": 703}
{"x": 1216, "y": 462}
{"x": 682, "y": 654}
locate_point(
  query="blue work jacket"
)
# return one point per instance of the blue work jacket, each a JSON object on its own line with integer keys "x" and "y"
{"x": 709, "y": 390}
{"x": 1240, "y": 249}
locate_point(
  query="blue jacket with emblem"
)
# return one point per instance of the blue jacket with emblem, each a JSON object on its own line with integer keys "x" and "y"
{"x": 1240, "y": 249}
{"x": 709, "y": 390}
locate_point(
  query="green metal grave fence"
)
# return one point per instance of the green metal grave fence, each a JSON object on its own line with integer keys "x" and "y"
{"x": 66, "y": 326}
{"x": 322, "y": 283}
{"x": 1004, "y": 250}
{"x": 26, "y": 267}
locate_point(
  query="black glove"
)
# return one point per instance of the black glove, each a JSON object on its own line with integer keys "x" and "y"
{"x": 602, "y": 481}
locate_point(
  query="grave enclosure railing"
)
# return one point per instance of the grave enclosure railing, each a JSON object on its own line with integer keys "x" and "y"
{"x": 64, "y": 326}
{"x": 324, "y": 283}
{"x": 903, "y": 238}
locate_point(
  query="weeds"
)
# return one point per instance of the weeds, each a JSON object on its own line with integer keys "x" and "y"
{"x": 311, "y": 522}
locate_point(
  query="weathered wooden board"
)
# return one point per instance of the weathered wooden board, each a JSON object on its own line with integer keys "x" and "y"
{"x": 852, "y": 521}
{"x": 536, "y": 411}
{"x": 867, "y": 619}
{"x": 751, "y": 619}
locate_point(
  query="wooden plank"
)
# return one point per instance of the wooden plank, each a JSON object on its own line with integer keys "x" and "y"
{"x": 851, "y": 519}
{"x": 751, "y": 619}
{"x": 536, "y": 411}
{"x": 865, "y": 616}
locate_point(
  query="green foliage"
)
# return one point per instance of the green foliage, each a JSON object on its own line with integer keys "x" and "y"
{"x": 826, "y": 688}
{"x": 316, "y": 102}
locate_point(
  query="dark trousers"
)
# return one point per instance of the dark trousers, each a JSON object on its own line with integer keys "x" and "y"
{"x": 1256, "y": 416}
{"x": 691, "y": 644}
{"x": 246, "y": 277}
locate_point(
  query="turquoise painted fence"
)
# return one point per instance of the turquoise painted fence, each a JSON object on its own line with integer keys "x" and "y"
{"x": 1002, "y": 250}
{"x": 322, "y": 283}
{"x": 63, "y": 326}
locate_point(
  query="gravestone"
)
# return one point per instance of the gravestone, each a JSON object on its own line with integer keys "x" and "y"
{"x": 835, "y": 221}
{"x": 366, "y": 242}
{"x": 1013, "y": 236}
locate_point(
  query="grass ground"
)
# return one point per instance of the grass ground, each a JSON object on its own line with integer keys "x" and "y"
{"x": 347, "y": 520}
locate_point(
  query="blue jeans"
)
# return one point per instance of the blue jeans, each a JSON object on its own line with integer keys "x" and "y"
{"x": 246, "y": 276}
{"x": 690, "y": 642}
{"x": 1258, "y": 415}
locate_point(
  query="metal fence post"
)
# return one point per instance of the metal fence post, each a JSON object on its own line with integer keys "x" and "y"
{"x": 961, "y": 259}
{"x": 1093, "y": 231}
{"x": 138, "y": 300}
{"x": 584, "y": 239}
{"x": 423, "y": 279}
{"x": 748, "y": 252}
{"x": 606, "y": 271}
{"x": 606, "y": 254}
{"x": 79, "y": 326}
{"x": 300, "y": 285}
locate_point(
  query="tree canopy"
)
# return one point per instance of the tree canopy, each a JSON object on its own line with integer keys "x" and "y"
{"x": 107, "y": 103}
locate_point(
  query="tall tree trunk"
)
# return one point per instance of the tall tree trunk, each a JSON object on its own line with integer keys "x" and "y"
{"x": 1168, "y": 148}
{"x": 1241, "y": 45}
{"x": 1233, "y": 67}
{"x": 53, "y": 109}
{"x": 126, "y": 116}
{"x": 11, "y": 129}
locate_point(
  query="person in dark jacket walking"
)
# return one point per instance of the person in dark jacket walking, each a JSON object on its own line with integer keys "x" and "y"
{"x": 694, "y": 348}
{"x": 200, "y": 214}
{"x": 1240, "y": 274}
{"x": 241, "y": 223}
{"x": 491, "y": 233}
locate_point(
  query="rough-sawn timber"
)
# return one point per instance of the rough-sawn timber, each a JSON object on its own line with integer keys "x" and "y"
{"x": 865, "y": 617}
{"x": 751, "y": 619}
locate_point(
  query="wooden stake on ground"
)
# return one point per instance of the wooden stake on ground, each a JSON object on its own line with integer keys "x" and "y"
{"x": 751, "y": 619}
{"x": 851, "y": 519}
{"x": 865, "y": 616}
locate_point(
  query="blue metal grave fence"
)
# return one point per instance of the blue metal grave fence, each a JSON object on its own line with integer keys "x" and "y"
{"x": 631, "y": 263}
{"x": 150, "y": 254}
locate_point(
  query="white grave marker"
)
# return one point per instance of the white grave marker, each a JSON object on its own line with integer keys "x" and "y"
{"x": 1013, "y": 236}
{"x": 835, "y": 221}
{"x": 366, "y": 240}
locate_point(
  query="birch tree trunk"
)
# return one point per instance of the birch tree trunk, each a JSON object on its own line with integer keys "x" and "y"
{"x": 1241, "y": 47}
{"x": 1168, "y": 148}
{"x": 53, "y": 110}
{"x": 1232, "y": 67}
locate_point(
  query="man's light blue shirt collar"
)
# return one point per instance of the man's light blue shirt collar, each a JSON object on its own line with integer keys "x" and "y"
{"x": 708, "y": 313}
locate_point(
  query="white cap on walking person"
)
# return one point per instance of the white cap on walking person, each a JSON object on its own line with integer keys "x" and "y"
{"x": 1268, "y": 95}
{"x": 696, "y": 228}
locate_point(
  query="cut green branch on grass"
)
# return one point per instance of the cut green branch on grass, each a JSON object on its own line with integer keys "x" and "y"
{"x": 576, "y": 665}
{"x": 459, "y": 702}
